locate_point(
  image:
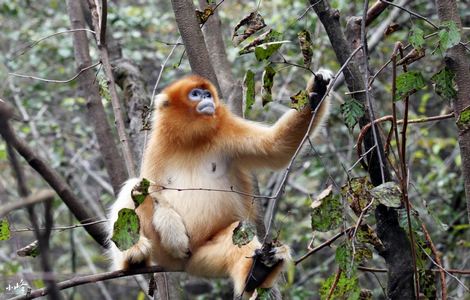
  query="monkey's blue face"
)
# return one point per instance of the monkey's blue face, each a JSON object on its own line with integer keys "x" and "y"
{"x": 206, "y": 105}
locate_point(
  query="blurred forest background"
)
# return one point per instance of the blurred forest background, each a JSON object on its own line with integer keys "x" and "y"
{"x": 75, "y": 107}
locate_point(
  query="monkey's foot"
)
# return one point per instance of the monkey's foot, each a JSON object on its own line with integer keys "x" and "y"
{"x": 267, "y": 264}
{"x": 172, "y": 230}
{"x": 135, "y": 256}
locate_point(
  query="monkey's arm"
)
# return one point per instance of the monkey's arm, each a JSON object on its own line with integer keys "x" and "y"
{"x": 273, "y": 147}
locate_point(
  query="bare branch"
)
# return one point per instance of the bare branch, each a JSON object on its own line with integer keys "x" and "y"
{"x": 37, "y": 197}
{"x": 54, "y": 80}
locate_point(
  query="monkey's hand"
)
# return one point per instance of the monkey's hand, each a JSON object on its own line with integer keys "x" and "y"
{"x": 317, "y": 88}
{"x": 265, "y": 261}
{"x": 174, "y": 238}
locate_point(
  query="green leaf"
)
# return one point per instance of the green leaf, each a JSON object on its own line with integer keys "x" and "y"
{"x": 306, "y": 47}
{"x": 4, "y": 230}
{"x": 408, "y": 83}
{"x": 449, "y": 36}
{"x": 243, "y": 233}
{"x": 352, "y": 111}
{"x": 346, "y": 288}
{"x": 327, "y": 211}
{"x": 249, "y": 89}
{"x": 463, "y": 122}
{"x": 265, "y": 51}
{"x": 416, "y": 37}
{"x": 126, "y": 229}
{"x": 299, "y": 100}
{"x": 365, "y": 234}
{"x": 356, "y": 192}
{"x": 268, "y": 81}
{"x": 104, "y": 88}
{"x": 444, "y": 84}
{"x": 388, "y": 194}
{"x": 344, "y": 259}
{"x": 140, "y": 192}
{"x": 263, "y": 294}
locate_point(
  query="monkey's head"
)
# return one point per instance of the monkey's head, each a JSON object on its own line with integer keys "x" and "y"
{"x": 189, "y": 107}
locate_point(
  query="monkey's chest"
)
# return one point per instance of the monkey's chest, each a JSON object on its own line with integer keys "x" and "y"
{"x": 203, "y": 194}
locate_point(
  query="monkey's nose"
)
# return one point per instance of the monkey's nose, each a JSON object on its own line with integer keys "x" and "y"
{"x": 206, "y": 107}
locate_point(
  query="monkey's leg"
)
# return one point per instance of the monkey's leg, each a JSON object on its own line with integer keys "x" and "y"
{"x": 220, "y": 257}
{"x": 139, "y": 253}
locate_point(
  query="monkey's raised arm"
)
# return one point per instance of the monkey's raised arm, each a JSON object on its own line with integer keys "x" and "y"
{"x": 272, "y": 147}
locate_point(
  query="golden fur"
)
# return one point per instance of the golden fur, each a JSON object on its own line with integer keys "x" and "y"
{"x": 192, "y": 230}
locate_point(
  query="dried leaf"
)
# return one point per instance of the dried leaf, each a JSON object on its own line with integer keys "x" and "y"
{"x": 252, "y": 23}
{"x": 267, "y": 37}
{"x": 202, "y": 16}
{"x": 306, "y": 47}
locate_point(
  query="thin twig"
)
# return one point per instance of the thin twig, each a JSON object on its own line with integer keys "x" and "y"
{"x": 28, "y": 47}
{"x": 76, "y": 281}
{"x": 54, "y": 80}
{"x": 442, "y": 275}
{"x": 323, "y": 245}
{"x": 37, "y": 197}
{"x": 61, "y": 228}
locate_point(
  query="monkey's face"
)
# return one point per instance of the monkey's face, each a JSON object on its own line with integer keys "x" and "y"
{"x": 189, "y": 110}
{"x": 192, "y": 97}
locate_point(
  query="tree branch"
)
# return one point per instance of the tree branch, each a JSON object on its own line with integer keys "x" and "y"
{"x": 80, "y": 211}
{"x": 77, "y": 281}
{"x": 188, "y": 25}
{"x": 96, "y": 113}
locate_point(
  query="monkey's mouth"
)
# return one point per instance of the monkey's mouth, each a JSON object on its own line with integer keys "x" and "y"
{"x": 206, "y": 107}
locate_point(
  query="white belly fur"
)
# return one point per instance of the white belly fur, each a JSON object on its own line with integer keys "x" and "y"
{"x": 200, "y": 209}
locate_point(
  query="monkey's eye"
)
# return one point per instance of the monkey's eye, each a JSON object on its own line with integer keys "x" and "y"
{"x": 195, "y": 94}
{"x": 206, "y": 94}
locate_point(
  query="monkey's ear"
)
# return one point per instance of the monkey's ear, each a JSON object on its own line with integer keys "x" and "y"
{"x": 161, "y": 101}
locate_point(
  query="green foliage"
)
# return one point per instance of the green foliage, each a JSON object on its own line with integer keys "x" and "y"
{"x": 126, "y": 229}
{"x": 140, "y": 192}
{"x": 104, "y": 88}
{"x": 4, "y": 230}
{"x": 263, "y": 294}
{"x": 347, "y": 288}
{"x": 327, "y": 212}
{"x": 344, "y": 259}
{"x": 464, "y": 118}
{"x": 357, "y": 193}
{"x": 444, "y": 83}
{"x": 299, "y": 100}
{"x": 268, "y": 81}
{"x": 408, "y": 83}
{"x": 249, "y": 89}
{"x": 416, "y": 37}
{"x": 243, "y": 233}
{"x": 388, "y": 194}
{"x": 449, "y": 36}
{"x": 352, "y": 111}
